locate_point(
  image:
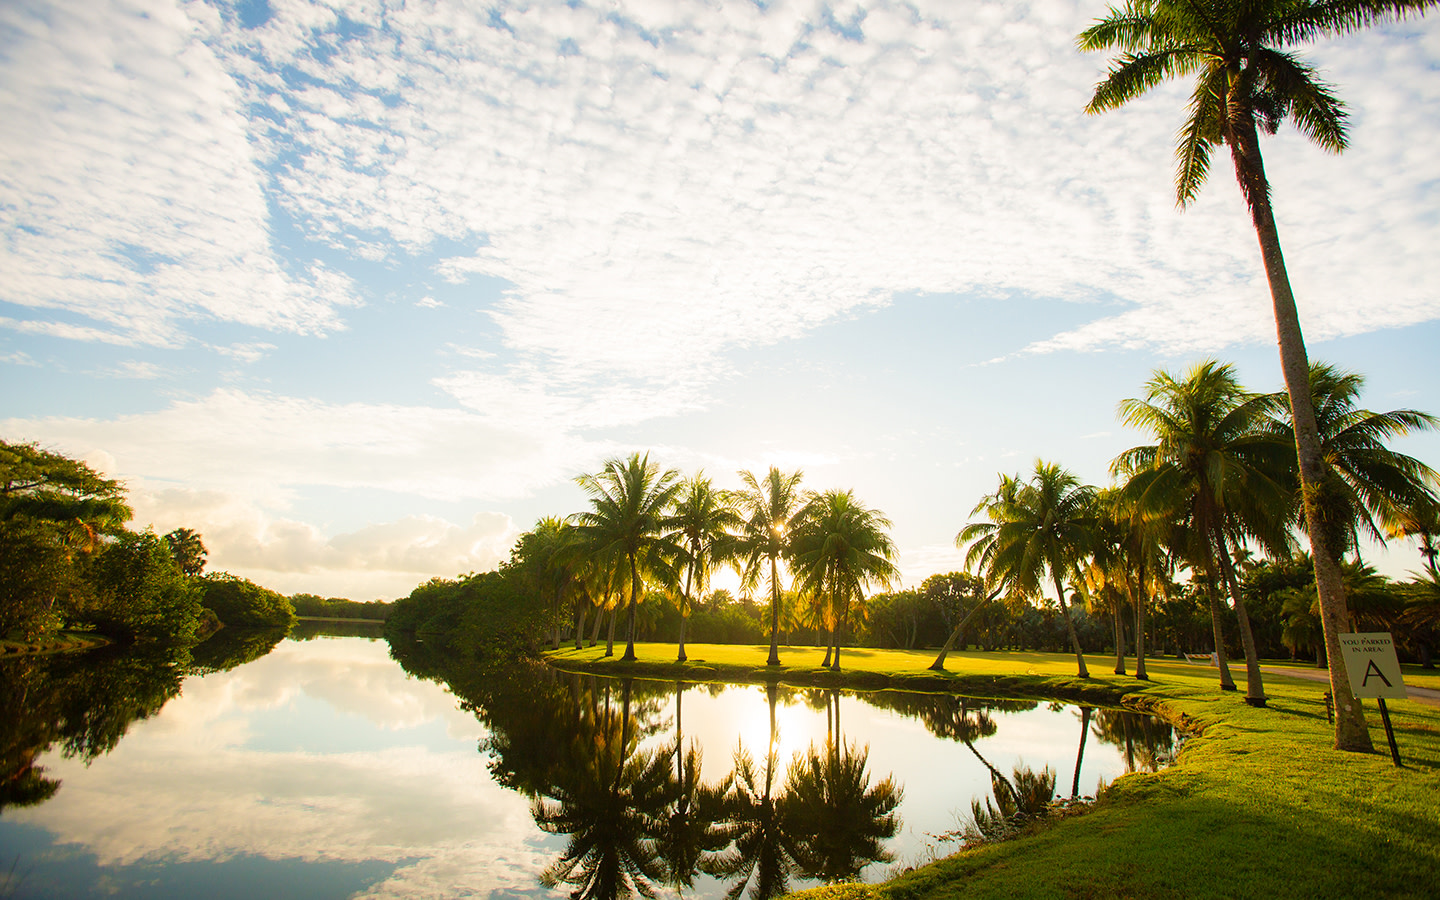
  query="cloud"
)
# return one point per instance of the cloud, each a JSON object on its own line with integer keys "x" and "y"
{"x": 131, "y": 194}
{"x": 247, "y": 353}
{"x": 384, "y": 560}
{"x": 266, "y": 444}
{"x": 134, "y": 368}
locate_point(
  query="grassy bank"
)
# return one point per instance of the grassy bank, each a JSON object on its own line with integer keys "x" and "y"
{"x": 1257, "y": 805}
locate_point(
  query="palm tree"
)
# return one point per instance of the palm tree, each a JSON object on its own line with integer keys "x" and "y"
{"x": 1221, "y": 474}
{"x": 1129, "y": 561}
{"x": 838, "y": 546}
{"x": 1245, "y": 81}
{"x": 703, "y": 519}
{"x": 1421, "y": 522}
{"x": 629, "y": 500}
{"x": 1043, "y": 524}
{"x": 188, "y": 550}
{"x": 766, "y": 508}
{"x": 1367, "y": 485}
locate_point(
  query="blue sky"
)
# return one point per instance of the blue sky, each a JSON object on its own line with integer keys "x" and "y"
{"x": 356, "y": 289}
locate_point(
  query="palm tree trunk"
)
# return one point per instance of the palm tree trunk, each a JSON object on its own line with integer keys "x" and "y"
{"x": 1140, "y": 604}
{"x": 634, "y": 595}
{"x": 1070, "y": 627}
{"x": 1351, "y": 732}
{"x": 685, "y": 608}
{"x": 610, "y": 637}
{"x": 774, "y": 659}
{"x": 599, "y": 619}
{"x": 1119, "y": 637}
{"x": 939, "y": 664}
{"x": 1226, "y": 682}
{"x": 580, "y": 613}
{"x": 1254, "y": 688}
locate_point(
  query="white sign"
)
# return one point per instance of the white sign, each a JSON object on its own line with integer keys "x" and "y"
{"x": 1371, "y": 664}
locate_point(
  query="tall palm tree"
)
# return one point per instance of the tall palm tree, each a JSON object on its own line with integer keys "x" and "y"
{"x": 702, "y": 519}
{"x": 1246, "y": 81}
{"x": 766, "y": 506}
{"x": 1045, "y": 524}
{"x": 1219, "y": 472}
{"x": 838, "y": 546}
{"x": 1367, "y": 487}
{"x": 629, "y": 499}
{"x": 1128, "y": 560}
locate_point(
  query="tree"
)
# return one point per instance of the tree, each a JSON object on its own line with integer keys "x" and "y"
{"x": 188, "y": 551}
{"x": 1245, "y": 82}
{"x": 838, "y": 818}
{"x": 702, "y": 518}
{"x": 629, "y": 499}
{"x": 838, "y": 546}
{"x": 1045, "y": 524}
{"x": 241, "y": 602}
{"x": 1217, "y": 472}
{"x": 766, "y": 509}
{"x": 1368, "y": 488}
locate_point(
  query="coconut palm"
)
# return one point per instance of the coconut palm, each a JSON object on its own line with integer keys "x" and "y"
{"x": 766, "y": 507}
{"x": 1127, "y": 561}
{"x": 702, "y": 519}
{"x": 1245, "y": 81}
{"x": 838, "y": 547}
{"x": 629, "y": 499}
{"x": 1221, "y": 474}
{"x": 1367, "y": 487}
{"x": 1045, "y": 524}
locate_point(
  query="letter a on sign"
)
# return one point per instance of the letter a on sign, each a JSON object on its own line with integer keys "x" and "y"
{"x": 1371, "y": 664}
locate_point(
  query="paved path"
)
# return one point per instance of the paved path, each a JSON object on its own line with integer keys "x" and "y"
{"x": 1428, "y": 696}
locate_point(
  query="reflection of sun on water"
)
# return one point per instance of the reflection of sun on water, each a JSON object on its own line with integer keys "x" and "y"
{"x": 796, "y": 727}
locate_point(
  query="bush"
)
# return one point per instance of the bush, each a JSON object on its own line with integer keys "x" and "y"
{"x": 140, "y": 593}
{"x": 238, "y": 601}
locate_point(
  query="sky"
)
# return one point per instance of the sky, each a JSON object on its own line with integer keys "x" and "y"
{"x": 356, "y": 290}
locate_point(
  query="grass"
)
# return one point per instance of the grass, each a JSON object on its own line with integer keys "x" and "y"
{"x": 1257, "y": 805}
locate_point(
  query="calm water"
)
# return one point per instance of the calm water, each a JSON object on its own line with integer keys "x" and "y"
{"x": 322, "y": 769}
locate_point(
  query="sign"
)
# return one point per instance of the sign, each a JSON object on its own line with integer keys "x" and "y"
{"x": 1371, "y": 664}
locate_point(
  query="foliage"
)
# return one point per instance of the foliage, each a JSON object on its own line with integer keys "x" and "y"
{"x": 317, "y": 607}
{"x": 139, "y": 592}
{"x": 241, "y": 602}
{"x": 188, "y": 550}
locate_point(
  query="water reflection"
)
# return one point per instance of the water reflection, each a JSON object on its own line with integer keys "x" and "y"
{"x": 322, "y": 756}
{"x": 609, "y": 767}
{"x": 82, "y": 704}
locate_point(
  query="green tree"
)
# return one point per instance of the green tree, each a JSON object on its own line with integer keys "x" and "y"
{"x": 241, "y": 602}
{"x": 1368, "y": 488}
{"x": 188, "y": 550}
{"x": 838, "y": 547}
{"x": 140, "y": 594}
{"x": 1045, "y": 524}
{"x": 629, "y": 499}
{"x": 1246, "y": 81}
{"x": 703, "y": 519}
{"x": 1217, "y": 472}
{"x": 766, "y": 508}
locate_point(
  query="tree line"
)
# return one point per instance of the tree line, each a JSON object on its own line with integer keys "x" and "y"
{"x": 68, "y": 561}
{"x": 1192, "y": 548}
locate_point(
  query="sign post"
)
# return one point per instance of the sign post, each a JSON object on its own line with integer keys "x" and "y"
{"x": 1374, "y": 671}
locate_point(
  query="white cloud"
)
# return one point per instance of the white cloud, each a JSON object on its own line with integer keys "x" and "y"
{"x": 247, "y": 352}
{"x": 379, "y": 560}
{"x": 265, "y": 445}
{"x": 130, "y": 194}
{"x": 708, "y": 177}
{"x": 134, "y": 368}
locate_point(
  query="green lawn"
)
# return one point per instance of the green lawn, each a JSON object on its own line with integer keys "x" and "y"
{"x": 1258, "y": 805}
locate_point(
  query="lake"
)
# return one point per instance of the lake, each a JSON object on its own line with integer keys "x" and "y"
{"x": 323, "y": 768}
